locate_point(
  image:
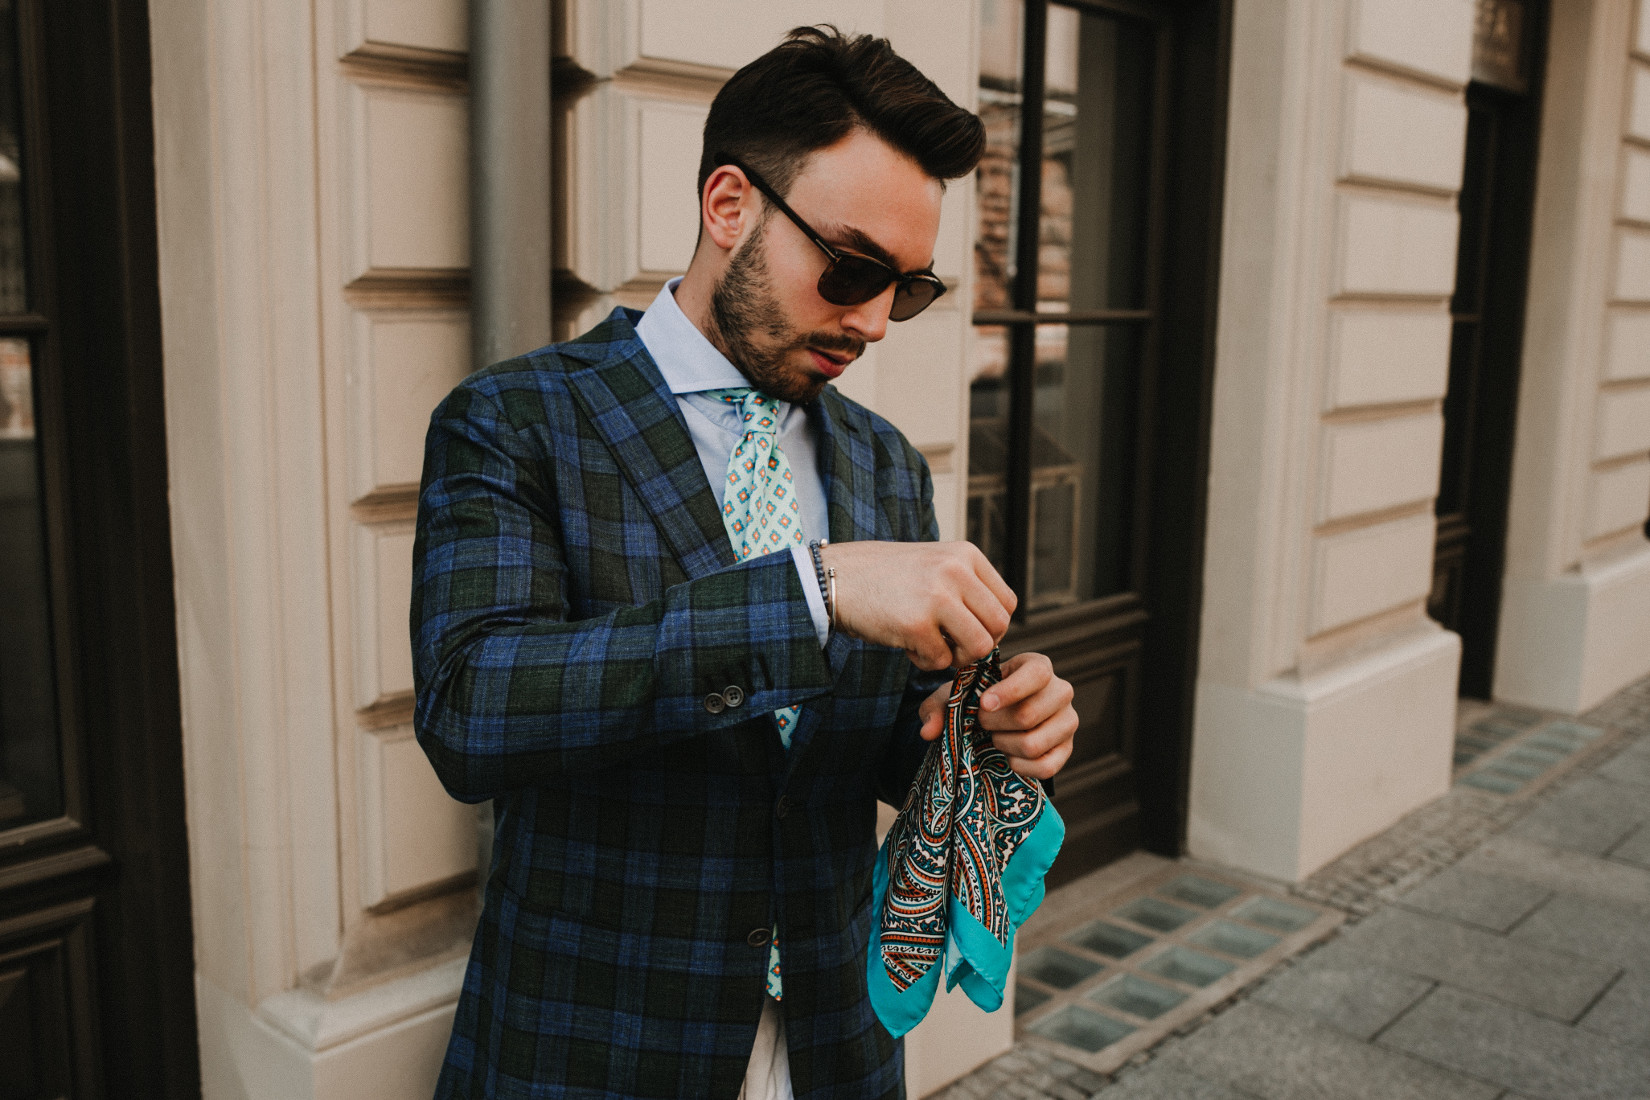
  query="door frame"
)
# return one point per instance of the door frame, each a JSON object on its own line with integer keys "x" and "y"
{"x": 118, "y": 857}
{"x": 1158, "y": 693}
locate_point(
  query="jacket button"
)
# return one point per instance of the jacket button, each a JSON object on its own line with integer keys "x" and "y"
{"x": 715, "y": 704}
{"x": 734, "y": 694}
{"x": 782, "y": 807}
{"x": 758, "y": 938}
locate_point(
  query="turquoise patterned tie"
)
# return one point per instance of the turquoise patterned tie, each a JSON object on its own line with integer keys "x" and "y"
{"x": 761, "y": 514}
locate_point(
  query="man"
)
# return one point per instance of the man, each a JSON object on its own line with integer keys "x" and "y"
{"x": 685, "y": 735}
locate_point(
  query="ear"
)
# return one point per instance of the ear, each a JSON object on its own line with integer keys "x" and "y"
{"x": 727, "y": 209}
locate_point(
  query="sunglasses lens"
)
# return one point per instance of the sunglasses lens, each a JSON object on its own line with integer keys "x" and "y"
{"x": 913, "y": 296}
{"x": 852, "y": 280}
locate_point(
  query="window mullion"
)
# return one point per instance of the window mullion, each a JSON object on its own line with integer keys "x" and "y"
{"x": 1022, "y": 349}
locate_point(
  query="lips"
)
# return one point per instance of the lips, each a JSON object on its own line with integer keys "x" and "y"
{"x": 831, "y": 366}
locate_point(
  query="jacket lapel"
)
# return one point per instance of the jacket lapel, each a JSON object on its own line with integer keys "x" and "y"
{"x": 634, "y": 412}
{"x": 848, "y": 466}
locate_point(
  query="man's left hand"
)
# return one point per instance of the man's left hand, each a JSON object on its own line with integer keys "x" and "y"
{"x": 1029, "y": 714}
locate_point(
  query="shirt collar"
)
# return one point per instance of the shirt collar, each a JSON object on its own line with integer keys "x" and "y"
{"x": 689, "y": 362}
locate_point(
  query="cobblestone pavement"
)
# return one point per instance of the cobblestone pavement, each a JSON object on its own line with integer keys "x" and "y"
{"x": 1497, "y": 948}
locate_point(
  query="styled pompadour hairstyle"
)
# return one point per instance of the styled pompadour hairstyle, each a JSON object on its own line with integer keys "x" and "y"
{"x": 820, "y": 85}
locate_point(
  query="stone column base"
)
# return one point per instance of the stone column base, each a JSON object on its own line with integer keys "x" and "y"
{"x": 1287, "y": 776}
{"x": 387, "y": 1041}
{"x": 1569, "y": 642}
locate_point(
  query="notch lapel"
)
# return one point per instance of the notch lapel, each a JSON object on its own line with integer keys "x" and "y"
{"x": 634, "y": 412}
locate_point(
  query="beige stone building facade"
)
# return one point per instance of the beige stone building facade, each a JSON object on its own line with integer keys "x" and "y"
{"x": 1296, "y": 370}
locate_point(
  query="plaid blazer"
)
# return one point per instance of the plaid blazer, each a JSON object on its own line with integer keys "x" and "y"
{"x": 575, "y": 606}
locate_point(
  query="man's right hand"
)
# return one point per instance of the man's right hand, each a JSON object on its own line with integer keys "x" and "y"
{"x": 941, "y": 602}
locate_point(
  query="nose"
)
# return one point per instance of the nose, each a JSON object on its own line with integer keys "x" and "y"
{"x": 869, "y": 320}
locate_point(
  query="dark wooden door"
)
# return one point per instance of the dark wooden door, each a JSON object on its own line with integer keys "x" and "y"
{"x": 1091, "y": 375}
{"x": 96, "y": 974}
{"x": 1487, "y": 311}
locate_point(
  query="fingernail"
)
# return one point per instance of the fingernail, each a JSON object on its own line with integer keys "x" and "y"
{"x": 988, "y": 701}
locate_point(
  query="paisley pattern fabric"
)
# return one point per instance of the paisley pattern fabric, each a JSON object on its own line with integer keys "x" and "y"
{"x": 961, "y": 869}
{"x": 762, "y": 515}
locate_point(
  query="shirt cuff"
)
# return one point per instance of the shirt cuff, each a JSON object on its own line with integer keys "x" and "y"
{"x": 809, "y": 576}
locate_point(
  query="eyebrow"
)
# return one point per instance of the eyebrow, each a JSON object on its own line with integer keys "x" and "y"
{"x": 859, "y": 241}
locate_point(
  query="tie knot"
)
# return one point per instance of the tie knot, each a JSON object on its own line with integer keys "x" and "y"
{"x": 760, "y": 412}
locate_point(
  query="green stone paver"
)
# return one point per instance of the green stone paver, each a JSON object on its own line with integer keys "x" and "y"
{"x": 1503, "y": 952}
{"x": 1635, "y": 849}
{"x": 1471, "y": 898}
{"x": 1549, "y": 982}
{"x": 1623, "y": 1013}
{"x": 1159, "y": 1083}
{"x": 1591, "y": 815}
{"x": 1632, "y": 766}
{"x": 1539, "y": 1057}
{"x": 1357, "y": 999}
{"x": 1258, "y": 1049}
{"x": 1612, "y": 935}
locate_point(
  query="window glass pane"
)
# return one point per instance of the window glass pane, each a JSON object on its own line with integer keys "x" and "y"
{"x": 997, "y": 177}
{"x": 1082, "y": 462}
{"x": 988, "y": 445}
{"x": 13, "y": 291}
{"x": 30, "y": 779}
{"x": 1096, "y": 161}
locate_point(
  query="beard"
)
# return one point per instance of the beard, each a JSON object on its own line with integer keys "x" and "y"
{"x": 751, "y": 329}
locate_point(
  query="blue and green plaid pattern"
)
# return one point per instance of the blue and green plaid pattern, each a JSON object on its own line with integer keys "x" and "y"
{"x": 575, "y": 601}
{"x": 760, "y": 511}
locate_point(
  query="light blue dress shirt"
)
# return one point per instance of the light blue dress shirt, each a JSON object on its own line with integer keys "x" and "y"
{"x": 691, "y": 365}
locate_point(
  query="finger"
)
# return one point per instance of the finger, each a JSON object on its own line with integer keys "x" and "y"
{"x": 1024, "y": 675}
{"x": 928, "y": 651}
{"x": 1043, "y": 751}
{"x": 993, "y": 580}
{"x": 966, "y": 636}
{"x": 1046, "y": 766}
{"x": 986, "y": 606}
{"x": 932, "y": 713}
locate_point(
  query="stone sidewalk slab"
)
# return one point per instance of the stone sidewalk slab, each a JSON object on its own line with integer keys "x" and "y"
{"x": 1563, "y": 871}
{"x": 1623, "y": 1013}
{"x": 1630, "y": 766}
{"x": 1593, "y": 929}
{"x": 1347, "y": 996}
{"x": 1636, "y": 848}
{"x": 1535, "y": 977}
{"x": 1541, "y": 1058}
{"x": 1161, "y": 1083}
{"x": 1257, "y": 1049}
{"x": 1488, "y": 901}
{"x": 1591, "y": 815}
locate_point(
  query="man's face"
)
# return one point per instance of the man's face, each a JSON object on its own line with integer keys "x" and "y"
{"x": 859, "y": 194}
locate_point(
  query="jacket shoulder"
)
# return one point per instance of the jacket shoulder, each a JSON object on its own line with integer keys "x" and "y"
{"x": 537, "y": 374}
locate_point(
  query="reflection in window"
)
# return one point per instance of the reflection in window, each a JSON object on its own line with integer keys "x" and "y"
{"x": 29, "y": 779}
{"x": 1092, "y": 191}
{"x": 30, "y": 770}
{"x": 13, "y": 290}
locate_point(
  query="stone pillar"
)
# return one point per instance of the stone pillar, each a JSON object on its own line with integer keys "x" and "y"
{"x": 1325, "y": 695}
{"x": 1575, "y": 613}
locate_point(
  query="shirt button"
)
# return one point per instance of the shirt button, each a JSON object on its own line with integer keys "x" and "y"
{"x": 782, "y": 807}
{"x": 715, "y": 704}
{"x": 734, "y": 694}
{"x": 758, "y": 938}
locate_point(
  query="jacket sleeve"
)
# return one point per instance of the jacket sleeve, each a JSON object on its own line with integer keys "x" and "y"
{"x": 509, "y": 692}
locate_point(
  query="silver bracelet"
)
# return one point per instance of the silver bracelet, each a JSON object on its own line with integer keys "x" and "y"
{"x": 830, "y": 594}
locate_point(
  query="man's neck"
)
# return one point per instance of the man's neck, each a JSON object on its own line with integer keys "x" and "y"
{"x": 693, "y": 299}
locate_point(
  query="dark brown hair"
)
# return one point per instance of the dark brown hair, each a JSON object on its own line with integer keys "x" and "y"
{"x": 817, "y": 87}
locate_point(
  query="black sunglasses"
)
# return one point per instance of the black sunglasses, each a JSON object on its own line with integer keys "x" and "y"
{"x": 850, "y": 278}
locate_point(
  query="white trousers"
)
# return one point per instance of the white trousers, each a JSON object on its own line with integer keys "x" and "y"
{"x": 768, "y": 1077}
